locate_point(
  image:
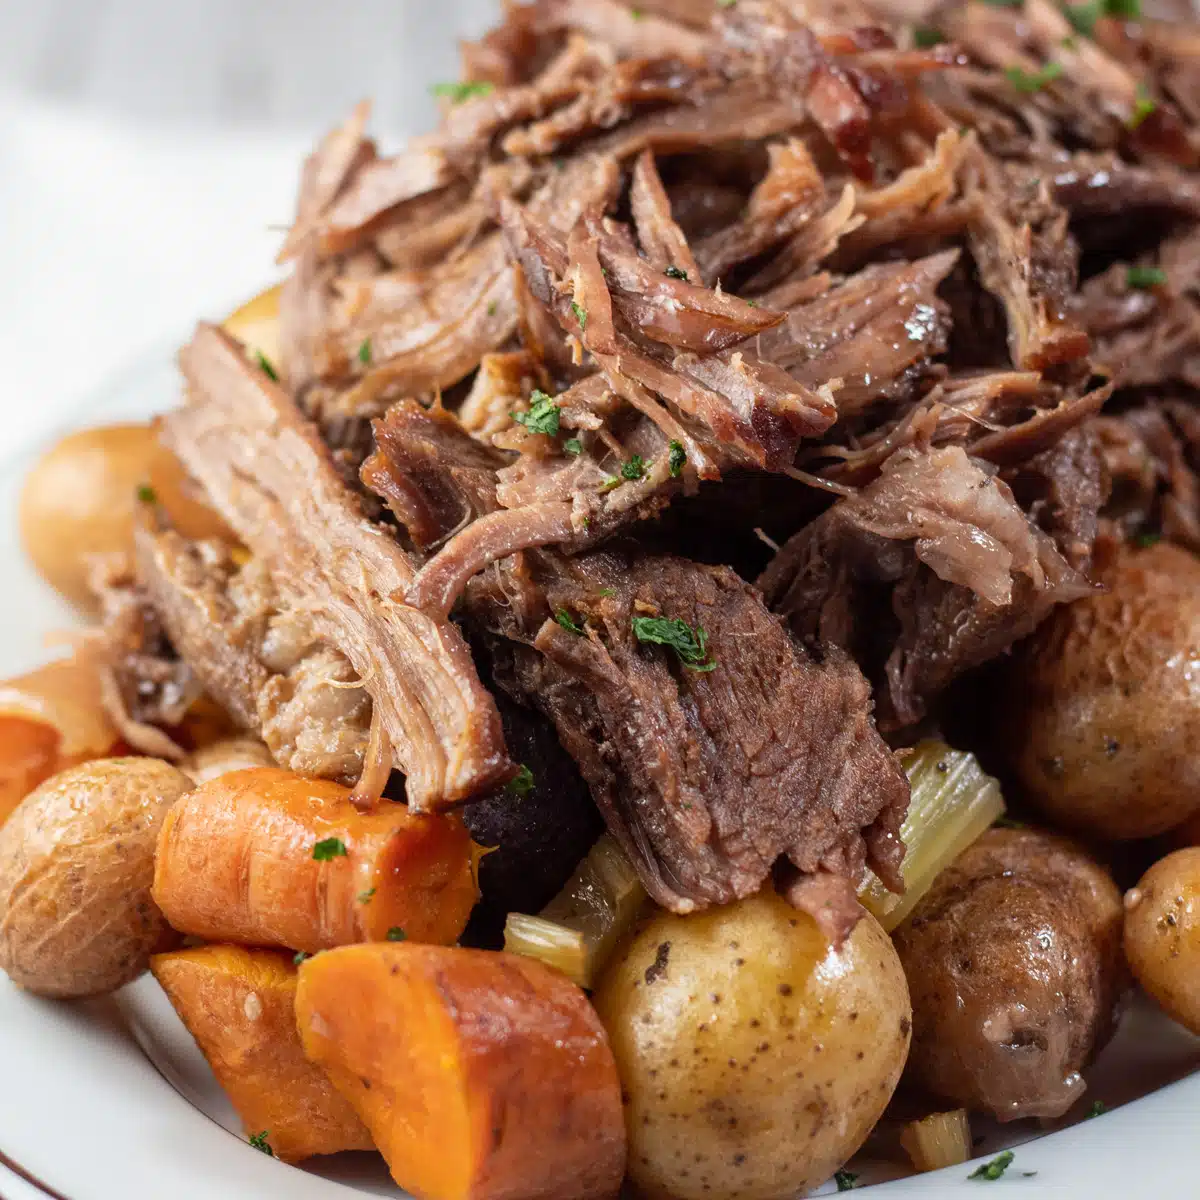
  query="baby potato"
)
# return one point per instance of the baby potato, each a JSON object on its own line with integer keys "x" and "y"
{"x": 81, "y": 498}
{"x": 256, "y": 324}
{"x": 1103, "y": 715}
{"x": 229, "y": 754}
{"x": 1162, "y": 935}
{"x": 1013, "y": 959}
{"x": 76, "y": 865}
{"x": 754, "y": 1057}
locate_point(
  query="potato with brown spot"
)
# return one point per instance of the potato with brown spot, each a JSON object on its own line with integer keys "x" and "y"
{"x": 755, "y": 1057}
{"x": 1014, "y": 963}
{"x": 76, "y": 865}
{"x": 1103, "y": 713}
{"x": 1162, "y": 935}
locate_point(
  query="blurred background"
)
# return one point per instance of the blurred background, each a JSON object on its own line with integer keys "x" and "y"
{"x": 148, "y": 156}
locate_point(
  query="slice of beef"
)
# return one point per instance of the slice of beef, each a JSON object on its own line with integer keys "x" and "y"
{"x": 706, "y": 777}
{"x": 145, "y": 686}
{"x": 261, "y": 663}
{"x": 265, "y": 469}
{"x": 928, "y": 571}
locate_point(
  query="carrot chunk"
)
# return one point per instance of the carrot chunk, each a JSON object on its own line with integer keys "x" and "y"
{"x": 268, "y": 858}
{"x": 240, "y": 1006}
{"x": 481, "y": 1076}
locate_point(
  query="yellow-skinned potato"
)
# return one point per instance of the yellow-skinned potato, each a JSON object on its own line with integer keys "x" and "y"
{"x": 76, "y": 865}
{"x": 82, "y": 498}
{"x": 755, "y": 1057}
{"x": 1162, "y": 935}
{"x": 256, "y": 324}
{"x": 1105, "y": 710}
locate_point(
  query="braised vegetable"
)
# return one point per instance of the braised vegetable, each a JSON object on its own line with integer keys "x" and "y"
{"x": 76, "y": 864}
{"x": 478, "y": 1074}
{"x": 1014, "y": 962}
{"x": 581, "y": 926}
{"x": 226, "y": 755}
{"x": 256, "y": 324}
{"x": 953, "y": 802}
{"x": 240, "y": 1006}
{"x": 755, "y": 1057}
{"x": 84, "y": 495}
{"x": 1162, "y": 935}
{"x": 50, "y": 719}
{"x": 1104, "y": 714}
{"x": 267, "y": 857}
{"x": 938, "y": 1140}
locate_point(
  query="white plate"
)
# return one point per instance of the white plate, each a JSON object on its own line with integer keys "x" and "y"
{"x": 110, "y": 1100}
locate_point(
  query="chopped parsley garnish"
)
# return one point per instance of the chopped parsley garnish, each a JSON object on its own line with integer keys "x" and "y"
{"x": 1083, "y": 17}
{"x": 1098, "y": 1109}
{"x": 1125, "y": 10}
{"x": 365, "y": 897}
{"x": 673, "y": 272}
{"x": 580, "y": 315}
{"x": 329, "y": 848}
{"x": 1143, "y": 106}
{"x": 1145, "y": 277}
{"x": 1146, "y": 539}
{"x": 364, "y": 352}
{"x": 146, "y": 494}
{"x": 1005, "y": 3}
{"x": 521, "y": 784}
{"x": 610, "y": 482}
{"x": 676, "y": 457}
{"x": 635, "y": 468}
{"x": 568, "y": 622}
{"x": 259, "y": 1142}
{"x": 636, "y": 14}
{"x": 752, "y": 303}
{"x": 456, "y": 93}
{"x": 396, "y": 934}
{"x": 607, "y": 592}
{"x": 846, "y": 1181}
{"x": 492, "y": 308}
{"x": 1070, "y": 42}
{"x": 265, "y": 365}
{"x": 573, "y": 446}
{"x": 995, "y": 1168}
{"x": 690, "y": 644}
{"x": 301, "y": 955}
{"x": 726, "y": 3}
{"x": 1033, "y": 81}
{"x": 542, "y": 416}
{"x": 925, "y": 36}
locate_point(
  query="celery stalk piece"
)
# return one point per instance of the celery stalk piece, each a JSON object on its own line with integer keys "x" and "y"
{"x": 953, "y": 802}
{"x": 593, "y": 912}
{"x": 938, "y": 1140}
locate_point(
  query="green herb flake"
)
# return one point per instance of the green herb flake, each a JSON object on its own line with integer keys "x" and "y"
{"x": 573, "y": 447}
{"x": 365, "y": 897}
{"x": 1145, "y": 277}
{"x": 1123, "y": 10}
{"x": 1005, "y": 3}
{"x": 1083, "y": 17}
{"x": 364, "y": 352}
{"x": 1029, "y": 82}
{"x": 259, "y": 1142}
{"x": 995, "y": 1168}
{"x": 676, "y": 457}
{"x": 607, "y": 592}
{"x": 568, "y": 622}
{"x": 265, "y": 366}
{"x": 635, "y": 468}
{"x": 752, "y": 303}
{"x": 456, "y": 93}
{"x": 846, "y": 1181}
{"x": 726, "y": 3}
{"x": 925, "y": 36}
{"x": 300, "y": 956}
{"x": 1143, "y": 106}
{"x": 492, "y": 308}
{"x": 521, "y": 784}
{"x": 146, "y": 494}
{"x": 542, "y": 416}
{"x": 580, "y": 315}
{"x": 673, "y": 272}
{"x": 690, "y": 644}
{"x": 329, "y": 848}
{"x": 610, "y": 482}
{"x": 636, "y": 14}
{"x": 396, "y": 934}
{"x": 1070, "y": 42}
{"x": 1146, "y": 539}
{"x": 1098, "y": 1109}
